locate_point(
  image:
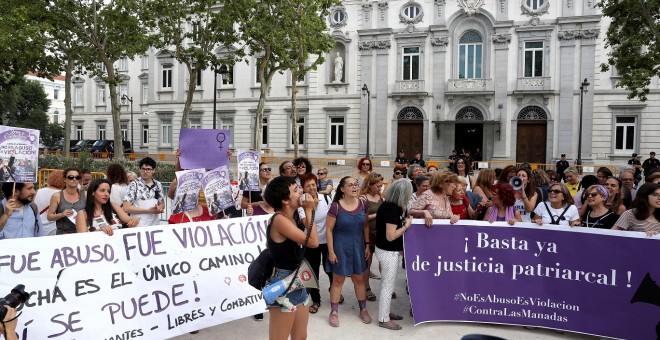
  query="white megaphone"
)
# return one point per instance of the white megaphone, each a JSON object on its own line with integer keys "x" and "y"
{"x": 516, "y": 182}
{"x": 305, "y": 279}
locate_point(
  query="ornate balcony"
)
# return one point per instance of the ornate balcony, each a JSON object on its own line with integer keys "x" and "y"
{"x": 536, "y": 84}
{"x": 470, "y": 86}
{"x": 409, "y": 86}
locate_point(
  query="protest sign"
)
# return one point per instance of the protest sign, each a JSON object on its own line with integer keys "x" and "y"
{"x": 248, "y": 170}
{"x": 154, "y": 283}
{"x": 19, "y": 154}
{"x": 575, "y": 279}
{"x": 217, "y": 190}
{"x": 203, "y": 148}
{"x": 188, "y": 184}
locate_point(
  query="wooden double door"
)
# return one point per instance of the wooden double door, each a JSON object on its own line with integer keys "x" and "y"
{"x": 531, "y": 141}
{"x": 410, "y": 138}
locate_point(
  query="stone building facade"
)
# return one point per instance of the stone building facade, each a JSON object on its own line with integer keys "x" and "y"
{"x": 500, "y": 75}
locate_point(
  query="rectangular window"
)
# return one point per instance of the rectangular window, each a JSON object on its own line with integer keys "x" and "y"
{"x": 264, "y": 133}
{"x": 469, "y": 58}
{"x": 195, "y": 123}
{"x": 228, "y": 124}
{"x": 301, "y": 132}
{"x": 145, "y": 93}
{"x": 337, "y": 131}
{"x": 123, "y": 94}
{"x": 145, "y": 134}
{"x": 78, "y": 96}
{"x": 124, "y": 131}
{"x": 56, "y": 94}
{"x": 410, "y": 63}
{"x": 199, "y": 78}
{"x": 533, "y": 59}
{"x": 166, "y": 132}
{"x": 122, "y": 64}
{"x": 228, "y": 78}
{"x": 100, "y": 95}
{"x": 167, "y": 77}
{"x": 100, "y": 128}
{"x": 624, "y": 135}
{"x": 79, "y": 132}
{"x": 145, "y": 61}
{"x": 256, "y": 70}
{"x": 196, "y": 31}
{"x": 56, "y": 117}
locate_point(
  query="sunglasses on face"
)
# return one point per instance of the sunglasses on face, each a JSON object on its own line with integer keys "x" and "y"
{"x": 366, "y": 164}
{"x": 320, "y": 173}
{"x": 592, "y": 194}
{"x": 71, "y": 178}
{"x": 398, "y": 173}
{"x": 266, "y": 170}
{"x": 555, "y": 191}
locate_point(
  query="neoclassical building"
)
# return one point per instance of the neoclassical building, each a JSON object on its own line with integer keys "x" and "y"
{"x": 504, "y": 76}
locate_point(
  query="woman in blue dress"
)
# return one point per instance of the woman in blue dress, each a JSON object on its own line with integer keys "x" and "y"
{"x": 347, "y": 232}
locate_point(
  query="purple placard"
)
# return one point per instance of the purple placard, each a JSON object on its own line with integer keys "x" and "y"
{"x": 217, "y": 190}
{"x": 248, "y": 170}
{"x": 574, "y": 279}
{"x": 188, "y": 183}
{"x": 203, "y": 148}
{"x": 19, "y": 154}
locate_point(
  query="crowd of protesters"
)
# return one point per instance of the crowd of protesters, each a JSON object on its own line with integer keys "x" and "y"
{"x": 361, "y": 219}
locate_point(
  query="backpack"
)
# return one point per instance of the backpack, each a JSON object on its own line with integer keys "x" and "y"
{"x": 36, "y": 215}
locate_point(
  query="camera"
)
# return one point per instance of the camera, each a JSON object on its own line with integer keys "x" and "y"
{"x": 17, "y": 297}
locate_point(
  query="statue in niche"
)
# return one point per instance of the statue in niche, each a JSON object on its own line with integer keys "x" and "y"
{"x": 339, "y": 68}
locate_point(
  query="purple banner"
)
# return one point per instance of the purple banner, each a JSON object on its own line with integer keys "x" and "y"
{"x": 603, "y": 283}
{"x": 203, "y": 148}
{"x": 19, "y": 154}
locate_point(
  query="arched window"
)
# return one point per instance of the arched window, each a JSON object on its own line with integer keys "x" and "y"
{"x": 532, "y": 113}
{"x": 470, "y": 113}
{"x": 470, "y": 55}
{"x": 410, "y": 113}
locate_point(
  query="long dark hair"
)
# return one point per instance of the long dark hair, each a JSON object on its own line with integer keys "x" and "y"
{"x": 89, "y": 204}
{"x": 468, "y": 166}
{"x": 340, "y": 194}
{"x": 117, "y": 174}
{"x": 641, "y": 203}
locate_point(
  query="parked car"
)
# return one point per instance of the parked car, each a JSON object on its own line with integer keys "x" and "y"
{"x": 59, "y": 147}
{"x": 107, "y": 145}
{"x": 83, "y": 145}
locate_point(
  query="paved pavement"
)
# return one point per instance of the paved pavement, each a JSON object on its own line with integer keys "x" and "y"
{"x": 352, "y": 328}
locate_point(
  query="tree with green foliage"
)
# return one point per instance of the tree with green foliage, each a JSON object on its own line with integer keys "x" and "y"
{"x": 194, "y": 29}
{"x": 305, "y": 20}
{"x": 106, "y": 32}
{"x": 634, "y": 39}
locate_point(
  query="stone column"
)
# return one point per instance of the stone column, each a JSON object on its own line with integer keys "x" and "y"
{"x": 366, "y": 14}
{"x": 494, "y": 148}
{"x": 380, "y": 89}
{"x": 566, "y": 125}
{"x": 588, "y": 40}
{"x": 439, "y": 17}
{"x": 382, "y": 13}
{"x": 439, "y": 43}
{"x": 365, "y": 52}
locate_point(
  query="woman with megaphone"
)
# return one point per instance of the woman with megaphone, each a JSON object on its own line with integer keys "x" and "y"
{"x": 526, "y": 195}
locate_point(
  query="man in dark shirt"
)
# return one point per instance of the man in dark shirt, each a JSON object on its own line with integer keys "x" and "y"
{"x": 477, "y": 155}
{"x": 562, "y": 165}
{"x": 418, "y": 160}
{"x": 452, "y": 159}
{"x": 401, "y": 159}
{"x": 650, "y": 164}
{"x": 637, "y": 165}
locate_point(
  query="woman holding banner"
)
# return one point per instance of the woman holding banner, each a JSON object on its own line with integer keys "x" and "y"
{"x": 558, "y": 209}
{"x": 645, "y": 215}
{"x": 64, "y": 205}
{"x": 597, "y": 215}
{"x": 347, "y": 233}
{"x": 435, "y": 202}
{"x": 503, "y": 199}
{"x": 391, "y": 223}
{"x": 284, "y": 238}
{"x": 99, "y": 213}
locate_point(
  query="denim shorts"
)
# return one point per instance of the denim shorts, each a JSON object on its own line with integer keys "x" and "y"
{"x": 297, "y": 297}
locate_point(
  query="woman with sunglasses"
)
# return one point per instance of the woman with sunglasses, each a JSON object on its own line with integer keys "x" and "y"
{"x": 99, "y": 213}
{"x": 645, "y": 215}
{"x": 558, "y": 209}
{"x": 597, "y": 215}
{"x": 325, "y": 185}
{"x": 303, "y": 166}
{"x": 502, "y": 209}
{"x": 347, "y": 233}
{"x": 65, "y": 205}
{"x": 254, "y": 197}
{"x": 371, "y": 194}
{"x": 364, "y": 169}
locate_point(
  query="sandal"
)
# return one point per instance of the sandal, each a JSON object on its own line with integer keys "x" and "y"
{"x": 314, "y": 307}
{"x": 370, "y": 295}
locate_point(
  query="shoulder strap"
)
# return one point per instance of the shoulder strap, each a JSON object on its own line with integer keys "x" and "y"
{"x": 552, "y": 219}
{"x": 562, "y": 213}
{"x": 35, "y": 210}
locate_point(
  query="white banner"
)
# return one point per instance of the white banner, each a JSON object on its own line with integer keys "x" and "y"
{"x": 155, "y": 282}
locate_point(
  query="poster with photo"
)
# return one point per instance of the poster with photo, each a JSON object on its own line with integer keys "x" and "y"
{"x": 217, "y": 190}
{"x": 248, "y": 170}
{"x": 187, "y": 190}
{"x": 19, "y": 154}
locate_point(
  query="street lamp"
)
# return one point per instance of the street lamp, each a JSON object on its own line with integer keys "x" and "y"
{"x": 583, "y": 89}
{"x": 222, "y": 70}
{"x": 130, "y": 100}
{"x": 367, "y": 93}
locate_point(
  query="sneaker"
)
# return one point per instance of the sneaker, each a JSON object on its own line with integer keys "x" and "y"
{"x": 258, "y": 317}
{"x": 365, "y": 317}
{"x": 390, "y": 325}
{"x": 334, "y": 319}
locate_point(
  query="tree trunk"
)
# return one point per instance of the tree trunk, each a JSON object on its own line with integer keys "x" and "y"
{"x": 192, "y": 85}
{"x": 68, "y": 110}
{"x": 116, "y": 109}
{"x": 294, "y": 113}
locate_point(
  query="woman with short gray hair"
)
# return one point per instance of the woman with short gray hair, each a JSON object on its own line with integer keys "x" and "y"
{"x": 392, "y": 222}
